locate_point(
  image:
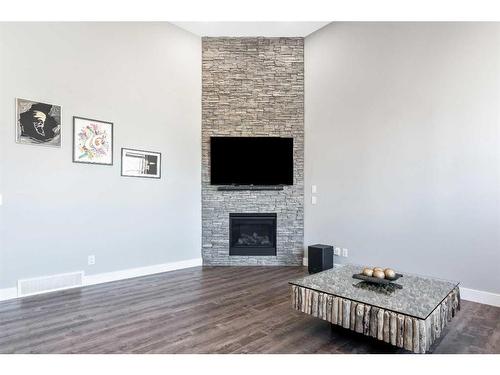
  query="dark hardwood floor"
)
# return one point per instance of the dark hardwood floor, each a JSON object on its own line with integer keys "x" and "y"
{"x": 205, "y": 310}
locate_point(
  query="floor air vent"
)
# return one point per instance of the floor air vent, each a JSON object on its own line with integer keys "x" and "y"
{"x": 51, "y": 283}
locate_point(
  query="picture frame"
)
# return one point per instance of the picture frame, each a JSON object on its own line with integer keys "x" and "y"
{"x": 92, "y": 141}
{"x": 140, "y": 163}
{"x": 38, "y": 123}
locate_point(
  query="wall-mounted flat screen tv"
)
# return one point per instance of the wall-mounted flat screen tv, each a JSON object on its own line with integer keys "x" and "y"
{"x": 251, "y": 161}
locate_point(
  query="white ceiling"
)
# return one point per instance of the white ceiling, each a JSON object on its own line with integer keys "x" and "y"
{"x": 241, "y": 29}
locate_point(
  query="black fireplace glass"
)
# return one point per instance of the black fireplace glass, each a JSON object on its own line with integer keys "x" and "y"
{"x": 252, "y": 234}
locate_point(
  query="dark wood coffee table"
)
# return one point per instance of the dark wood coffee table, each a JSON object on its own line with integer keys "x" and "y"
{"x": 411, "y": 318}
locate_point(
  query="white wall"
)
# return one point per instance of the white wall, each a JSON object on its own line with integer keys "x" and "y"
{"x": 403, "y": 142}
{"x": 144, "y": 77}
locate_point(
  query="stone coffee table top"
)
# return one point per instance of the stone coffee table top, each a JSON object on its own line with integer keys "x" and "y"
{"x": 418, "y": 298}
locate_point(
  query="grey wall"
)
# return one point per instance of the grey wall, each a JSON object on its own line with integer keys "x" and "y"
{"x": 144, "y": 77}
{"x": 402, "y": 140}
{"x": 253, "y": 87}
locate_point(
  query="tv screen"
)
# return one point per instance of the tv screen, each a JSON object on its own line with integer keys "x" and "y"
{"x": 251, "y": 161}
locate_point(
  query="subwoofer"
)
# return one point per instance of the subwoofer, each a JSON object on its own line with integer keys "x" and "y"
{"x": 319, "y": 258}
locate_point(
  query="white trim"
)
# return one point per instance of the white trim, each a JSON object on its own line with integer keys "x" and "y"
{"x": 480, "y": 296}
{"x": 141, "y": 271}
{"x": 305, "y": 261}
{"x": 11, "y": 293}
{"x": 8, "y": 293}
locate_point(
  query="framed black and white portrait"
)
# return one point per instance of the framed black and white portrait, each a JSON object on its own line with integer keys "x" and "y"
{"x": 92, "y": 141}
{"x": 38, "y": 123}
{"x": 139, "y": 163}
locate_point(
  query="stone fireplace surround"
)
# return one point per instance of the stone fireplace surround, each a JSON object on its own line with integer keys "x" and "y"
{"x": 253, "y": 87}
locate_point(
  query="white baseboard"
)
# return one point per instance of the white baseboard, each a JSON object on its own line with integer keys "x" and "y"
{"x": 141, "y": 271}
{"x": 10, "y": 293}
{"x": 480, "y": 296}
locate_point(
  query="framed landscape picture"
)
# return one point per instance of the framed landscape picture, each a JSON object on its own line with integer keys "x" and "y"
{"x": 38, "y": 123}
{"x": 139, "y": 163}
{"x": 92, "y": 141}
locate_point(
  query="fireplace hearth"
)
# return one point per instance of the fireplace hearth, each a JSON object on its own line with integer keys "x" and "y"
{"x": 252, "y": 234}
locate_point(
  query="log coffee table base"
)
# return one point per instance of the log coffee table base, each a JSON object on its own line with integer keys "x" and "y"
{"x": 404, "y": 331}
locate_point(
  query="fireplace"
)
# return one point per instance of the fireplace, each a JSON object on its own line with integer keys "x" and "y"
{"x": 252, "y": 234}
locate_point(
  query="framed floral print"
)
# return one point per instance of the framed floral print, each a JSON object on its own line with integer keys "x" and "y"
{"x": 92, "y": 141}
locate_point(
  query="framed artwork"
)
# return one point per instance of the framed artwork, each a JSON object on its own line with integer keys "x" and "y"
{"x": 38, "y": 123}
{"x": 139, "y": 163}
{"x": 92, "y": 141}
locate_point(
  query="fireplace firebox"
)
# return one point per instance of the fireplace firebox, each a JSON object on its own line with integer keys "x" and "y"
{"x": 252, "y": 234}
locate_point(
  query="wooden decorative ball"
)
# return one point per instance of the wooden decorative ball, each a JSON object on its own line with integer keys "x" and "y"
{"x": 378, "y": 269}
{"x": 379, "y": 274}
{"x": 389, "y": 273}
{"x": 368, "y": 272}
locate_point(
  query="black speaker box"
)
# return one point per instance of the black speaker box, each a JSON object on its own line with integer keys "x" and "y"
{"x": 319, "y": 258}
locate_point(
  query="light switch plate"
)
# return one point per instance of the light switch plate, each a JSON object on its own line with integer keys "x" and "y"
{"x": 313, "y": 200}
{"x": 314, "y": 189}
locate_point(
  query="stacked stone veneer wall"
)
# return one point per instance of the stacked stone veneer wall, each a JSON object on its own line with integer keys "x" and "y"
{"x": 253, "y": 87}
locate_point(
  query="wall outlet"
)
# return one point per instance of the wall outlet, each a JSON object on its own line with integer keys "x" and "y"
{"x": 314, "y": 189}
{"x": 336, "y": 251}
{"x": 91, "y": 260}
{"x": 345, "y": 252}
{"x": 314, "y": 200}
